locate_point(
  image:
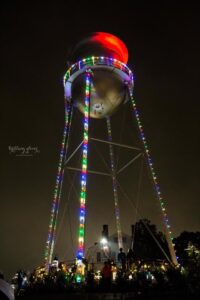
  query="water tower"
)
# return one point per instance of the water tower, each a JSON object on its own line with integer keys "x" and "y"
{"x": 97, "y": 83}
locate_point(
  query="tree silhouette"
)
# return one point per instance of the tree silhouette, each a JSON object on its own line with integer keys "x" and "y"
{"x": 144, "y": 246}
{"x": 182, "y": 242}
{"x": 188, "y": 250}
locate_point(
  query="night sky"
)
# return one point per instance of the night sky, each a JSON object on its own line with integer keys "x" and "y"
{"x": 36, "y": 39}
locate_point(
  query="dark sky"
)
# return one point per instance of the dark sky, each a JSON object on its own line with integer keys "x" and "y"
{"x": 36, "y": 37}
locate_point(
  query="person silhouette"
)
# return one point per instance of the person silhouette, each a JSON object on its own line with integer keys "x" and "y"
{"x": 122, "y": 259}
{"x": 130, "y": 258}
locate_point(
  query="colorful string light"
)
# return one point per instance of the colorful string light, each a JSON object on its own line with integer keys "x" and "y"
{"x": 168, "y": 233}
{"x": 57, "y": 190}
{"x": 99, "y": 60}
{"x": 116, "y": 200}
{"x": 81, "y": 235}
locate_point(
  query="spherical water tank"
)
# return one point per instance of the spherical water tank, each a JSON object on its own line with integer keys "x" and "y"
{"x": 105, "y": 55}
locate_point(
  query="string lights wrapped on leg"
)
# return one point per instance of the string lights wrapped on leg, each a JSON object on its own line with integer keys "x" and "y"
{"x": 58, "y": 187}
{"x": 81, "y": 235}
{"x": 116, "y": 199}
{"x": 168, "y": 233}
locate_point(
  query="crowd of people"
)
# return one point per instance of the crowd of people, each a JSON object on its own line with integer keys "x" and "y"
{"x": 154, "y": 279}
{"x": 121, "y": 276}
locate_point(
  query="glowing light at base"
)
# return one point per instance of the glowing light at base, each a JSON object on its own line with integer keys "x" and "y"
{"x": 80, "y": 252}
{"x": 57, "y": 191}
{"x": 168, "y": 232}
{"x": 116, "y": 200}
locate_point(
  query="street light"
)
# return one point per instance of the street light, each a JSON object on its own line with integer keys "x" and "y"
{"x": 104, "y": 241}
